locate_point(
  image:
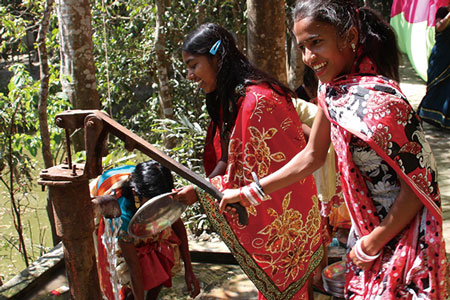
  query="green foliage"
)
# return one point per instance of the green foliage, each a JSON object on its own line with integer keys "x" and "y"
{"x": 20, "y": 144}
{"x": 56, "y": 103}
{"x": 124, "y": 35}
{"x": 18, "y": 113}
{"x": 17, "y": 120}
{"x": 17, "y": 27}
{"x": 12, "y": 30}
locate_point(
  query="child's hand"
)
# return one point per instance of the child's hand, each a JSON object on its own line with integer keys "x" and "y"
{"x": 186, "y": 195}
{"x": 192, "y": 283}
{"x": 107, "y": 206}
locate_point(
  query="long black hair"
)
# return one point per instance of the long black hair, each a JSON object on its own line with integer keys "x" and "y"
{"x": 149, "y": 179}
{"x": 233, "y": 69}
{"x": 377, "y": 39}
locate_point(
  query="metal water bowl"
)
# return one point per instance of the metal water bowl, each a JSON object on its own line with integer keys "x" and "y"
{"x": 333, "y": 277}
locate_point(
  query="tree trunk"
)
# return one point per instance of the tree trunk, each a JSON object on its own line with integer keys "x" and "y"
{"x": 294, "y": 55}
{"x": 296, "y": 65}
{"x": 238, "y": 15}
{"x": 42, "y": 106}
{"x": 165, "y": 97}
{"x": 43, "y": 93}
{"x": 368, "y": 3}
{"x": 77, "y": 57}
{"x": 266, "y": 31}
{"x": 201, "y": 12}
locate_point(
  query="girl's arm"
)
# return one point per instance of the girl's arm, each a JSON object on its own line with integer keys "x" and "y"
{"x": 130, "y": 254}
{"x": 306, "y": 161}
{"x": 300, "y": 166}
{"x": 306, "y": 131}
{"x": 405, "y": 208}
{"x": 441, "y": 24}
{"x": 221, "y": 166}
{"x": 191, "y": 280}
{"x": 220, "y": 169}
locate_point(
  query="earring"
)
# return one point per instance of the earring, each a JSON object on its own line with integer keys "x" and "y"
{"x": 353, "y": 48}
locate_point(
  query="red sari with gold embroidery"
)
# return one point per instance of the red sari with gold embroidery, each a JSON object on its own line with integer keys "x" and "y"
{"x": 370, "y": 112}
{"x": 282, "y": 244}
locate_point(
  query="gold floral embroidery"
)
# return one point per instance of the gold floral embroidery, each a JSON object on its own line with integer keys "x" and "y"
{"x": 257, "y": 153}
{"x": 260, "y": 103}
{"x": 267, "y": 103}
{"x": 275, "y": 249}
{"x": 295, "y": 261}
{"x": 313, "y": 222}
{"x": 286, "y": 238}
{"x": 278, "y": 157}
{"x": 286, "y": 124}
{"x": 284, "y": 231}
{"x": 235, "y": 165}
{"x": 251, "y": 210}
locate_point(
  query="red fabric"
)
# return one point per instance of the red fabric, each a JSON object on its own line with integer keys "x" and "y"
{"x": 103, "y": 265}
{"x": 282, "y": 244}
{"x": 212, "y": 150}
{"x": 156, "y": 261}
{"x": 374, "y": 109}
{"x": 416, "y": 11}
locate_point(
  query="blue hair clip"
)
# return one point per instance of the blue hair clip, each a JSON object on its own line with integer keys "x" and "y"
{"x": 214, "y": 48}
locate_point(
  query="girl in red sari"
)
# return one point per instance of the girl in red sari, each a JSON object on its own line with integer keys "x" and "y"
{"x": 260, "y": 130}
{"x": 387, "y": 169}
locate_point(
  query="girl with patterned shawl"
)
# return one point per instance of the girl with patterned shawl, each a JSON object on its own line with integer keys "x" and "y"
{"x": 282, "y": 244}
{"x": 387, "y": 169}
{"x": 435, "y": 106}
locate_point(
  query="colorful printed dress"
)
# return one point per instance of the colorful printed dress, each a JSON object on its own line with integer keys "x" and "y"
{"x": 378, "y": 139}
{"x": 282, "y": 244}
{"x": 158, "y": 255}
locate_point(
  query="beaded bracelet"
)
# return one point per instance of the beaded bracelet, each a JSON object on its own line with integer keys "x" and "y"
{"x": 361, "y": 255}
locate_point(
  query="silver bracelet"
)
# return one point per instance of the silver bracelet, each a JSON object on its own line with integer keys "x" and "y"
{"x": 258, "y": 185}
{"x": 361, "y": 255}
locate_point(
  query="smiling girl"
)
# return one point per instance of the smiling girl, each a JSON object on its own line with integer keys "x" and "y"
{"x": 259, "y": 127}
{"x": 388, "y": 172}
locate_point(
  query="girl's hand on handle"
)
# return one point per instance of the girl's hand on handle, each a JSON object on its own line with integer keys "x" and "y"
{"x": 186, "y": 195}
{"x": 229, "y": 196}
